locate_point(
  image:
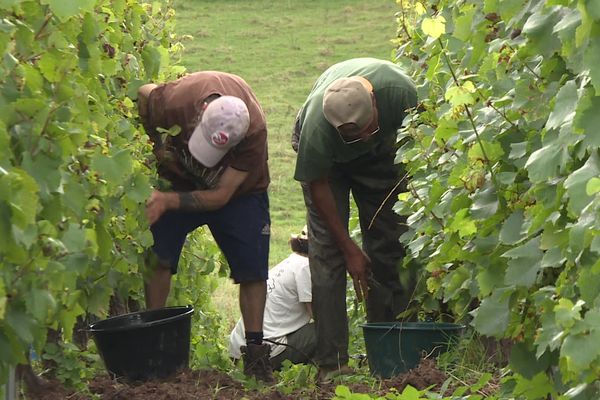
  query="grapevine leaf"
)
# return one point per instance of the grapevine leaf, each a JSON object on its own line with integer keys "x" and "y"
{"x": 461, "y": 95}
{"x": 462, "y": 24}
{"x": 553, "y": 258}
{"x": 511, "y": 232}
{"x": 489, "y": 278}
{"x": 564, "y": 108}
{"x": 113, "y": 169}
{"x": 522, "y": 272}
{"x": 434, "y": 27}
{"x": 537, "y": 388}
{"x": 524, "y": 264}
{"x": 539, "y": 27}
{"x": 491, "y": 317}
{"x": 21, "y": 323}
{"x": 485, "y": 203}
{"x": 549, "y": 336}
{"x": 587, "y": 119}
{"x": 592, "y": 60}
{"x": 39, "y": 304}
{"x": 577, "y": 182}
{"x": 67, "y": 9}
{"x": 580, "y": 350}
{"x": 493, "y": 151}
{"x": 545, "y": 163}
{"x": 593, "y": 9}
{"x": 462, "y": 224}
{"x": 524, "y": 361}
{"x": 531, "y": 249}
{"x": 74, "y": 239}
{"x": 567, "y": 313}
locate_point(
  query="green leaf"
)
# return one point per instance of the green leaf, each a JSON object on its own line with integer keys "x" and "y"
{"x": 113, "y": 169}
{"x": 74, "y": 238}
{"x": 576, "y": 184}
{"x": 539, "y": 27}
{"x": 462, "y": 224}
{"x": 462, "y": 24}
{"x": 593, "y": 9}
{"x": 522, "y": 272}
{"x": 581, "y": 350}
{"x": 446, "y": 129}
{"x": 549, "y": 336}
{"x": 65, "y": 9}
{"x": 493, "y": 151}
{"x": 21, "y": 323}
{"x": 531, "y": 249}
{"x": 537, "y": 388}
{"x": 511, "y": 231}
{"x": 489, "y": 278}
{"x": 49, "y": 63}
{"x": 39, "y": 304}
{"x": 592, "y": 60}
{"x": 461, "y": 95}
{"x": 546, "y": 162}
{"x": 491, "y": 317}
{"x": 524, "y": 361}
{"x": 567, "y": 313}
{"x": 553, "y": 258}
{"x": 485, "y": 203}
{"x": 564, "y": 107}
{"x": 587, "y": 119}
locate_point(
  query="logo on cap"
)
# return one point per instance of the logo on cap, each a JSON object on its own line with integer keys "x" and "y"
{"x": 219, "y": 138}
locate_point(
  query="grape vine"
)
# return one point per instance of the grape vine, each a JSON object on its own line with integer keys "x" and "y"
{"x": 504, "y": 200}
{"x": 74, "y": 163}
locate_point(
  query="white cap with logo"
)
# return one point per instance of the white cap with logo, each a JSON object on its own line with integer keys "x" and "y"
{"x": 224, "y": 124}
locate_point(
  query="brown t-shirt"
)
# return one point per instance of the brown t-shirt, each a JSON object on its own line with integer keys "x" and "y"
{"x": 178, "y": 103}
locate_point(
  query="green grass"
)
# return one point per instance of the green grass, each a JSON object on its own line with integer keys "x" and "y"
{"x": 280, "y": 47}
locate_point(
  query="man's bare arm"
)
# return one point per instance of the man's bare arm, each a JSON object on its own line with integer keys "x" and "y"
{"x": 200, "y": 200}
{"x": 213, "y": 199}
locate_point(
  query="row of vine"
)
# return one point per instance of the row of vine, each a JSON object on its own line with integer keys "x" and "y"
{"x": 504, "y": 201}
{"x": 75, "y": 164}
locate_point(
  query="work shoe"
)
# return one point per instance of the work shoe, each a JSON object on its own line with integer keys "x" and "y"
{"x": 327, "y": 374}
{"x": 257, "y": 362}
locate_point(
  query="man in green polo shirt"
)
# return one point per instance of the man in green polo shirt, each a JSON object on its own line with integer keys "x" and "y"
{"x": 345, "y": 137}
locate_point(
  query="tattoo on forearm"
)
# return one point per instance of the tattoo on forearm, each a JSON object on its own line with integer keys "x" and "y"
{"x": 189, "y": 201}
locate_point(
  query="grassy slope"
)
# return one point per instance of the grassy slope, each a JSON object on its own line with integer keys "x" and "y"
{"x": 280, "y": 47}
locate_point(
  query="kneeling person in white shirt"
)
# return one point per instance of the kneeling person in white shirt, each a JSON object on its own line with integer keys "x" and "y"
{"x": 288, "y": 313}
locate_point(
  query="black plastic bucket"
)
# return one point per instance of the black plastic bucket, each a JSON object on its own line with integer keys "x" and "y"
{"x": 396, "y": 347}
{"x": 145, "y": 345}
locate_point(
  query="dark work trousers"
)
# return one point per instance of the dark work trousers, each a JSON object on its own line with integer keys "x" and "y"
{"x": 300, "y": 348}
{"x": 370, "y": 180}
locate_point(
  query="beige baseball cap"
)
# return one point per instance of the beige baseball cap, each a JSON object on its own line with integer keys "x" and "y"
{"x": 224, "y": 124}
{"x": 348, "y": 101}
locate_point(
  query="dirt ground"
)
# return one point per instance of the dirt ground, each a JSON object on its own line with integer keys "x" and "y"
{"x": 210, "y": 384}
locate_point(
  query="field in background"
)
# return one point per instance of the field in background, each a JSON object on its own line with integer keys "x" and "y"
{"x": 280, "y": 47}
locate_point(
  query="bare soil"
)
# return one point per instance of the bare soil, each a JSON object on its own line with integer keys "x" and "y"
{"x": 211, "y": 384}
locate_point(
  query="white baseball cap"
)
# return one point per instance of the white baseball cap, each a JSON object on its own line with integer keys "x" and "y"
{"x": 223, "y": 125}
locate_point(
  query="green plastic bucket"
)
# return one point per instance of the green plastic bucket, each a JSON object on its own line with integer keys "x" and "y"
{"x": 396, "y": 347}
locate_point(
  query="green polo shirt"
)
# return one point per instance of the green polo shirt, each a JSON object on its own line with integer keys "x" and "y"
{"x": 321, "y": 147}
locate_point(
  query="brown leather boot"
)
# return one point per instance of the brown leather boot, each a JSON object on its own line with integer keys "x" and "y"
{"x": 257, "y": 362}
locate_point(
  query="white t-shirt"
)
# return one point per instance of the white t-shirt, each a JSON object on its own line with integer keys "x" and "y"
{"x": 288, "y": 288}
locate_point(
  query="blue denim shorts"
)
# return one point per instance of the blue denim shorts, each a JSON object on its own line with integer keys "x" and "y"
{"x": 241, "y": 229}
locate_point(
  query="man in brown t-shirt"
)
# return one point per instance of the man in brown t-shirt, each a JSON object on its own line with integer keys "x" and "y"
{"x": 215, "y": 159}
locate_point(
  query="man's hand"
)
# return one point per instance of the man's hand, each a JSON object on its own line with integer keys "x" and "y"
{"x": 359, "y": 268}
{"x": 157, "y": 204}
